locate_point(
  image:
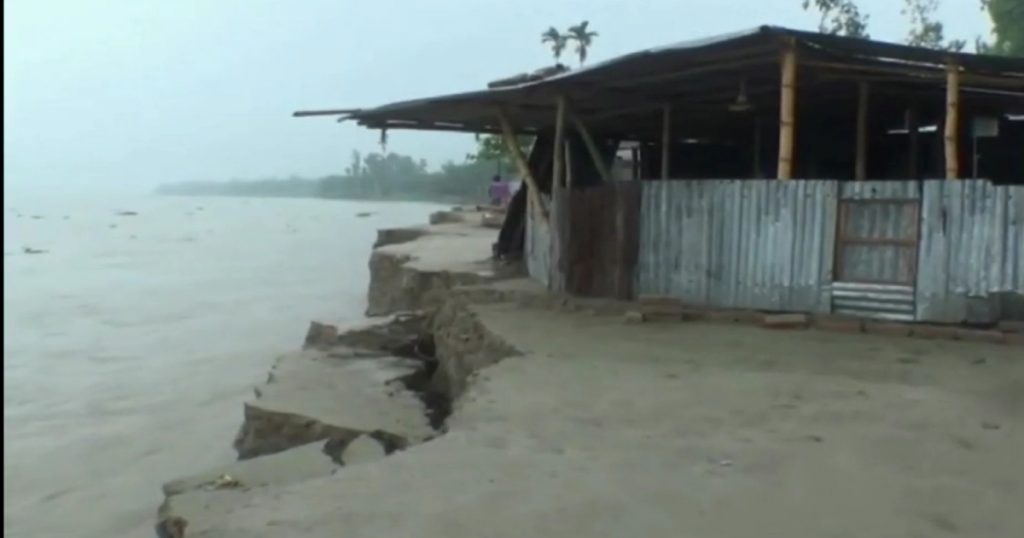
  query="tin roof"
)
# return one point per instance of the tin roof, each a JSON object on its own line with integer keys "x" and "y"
{"x": 700, "y": 74}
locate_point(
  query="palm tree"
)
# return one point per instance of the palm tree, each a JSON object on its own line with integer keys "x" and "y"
{"x": 557, "y": 39}
{"x": 583, "y": 38}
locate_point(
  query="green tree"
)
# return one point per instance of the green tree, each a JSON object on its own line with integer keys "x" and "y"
{"x": 557, "y": 41}
{"x": 839, "y": 17}
{"x": 492, "y": 149}
{"x": 925, "y": 30}
{"x": 1007, "y": 27}
{"x": 583, "y": 37}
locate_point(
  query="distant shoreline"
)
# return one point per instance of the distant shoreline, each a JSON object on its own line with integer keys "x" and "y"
{"x": 309, "y": 190}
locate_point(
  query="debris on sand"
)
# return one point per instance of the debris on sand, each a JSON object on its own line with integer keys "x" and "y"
{"x": 224, "y": 481}
{"x": 364, "y": 214}
{"x": 30, "y": 250}
{"x": 171, "y": 527}
{"x": 127, "y": 213}
{"x": 321, "y": 335}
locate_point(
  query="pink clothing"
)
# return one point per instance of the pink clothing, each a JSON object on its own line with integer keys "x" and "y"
{"x": 498, "y": 193}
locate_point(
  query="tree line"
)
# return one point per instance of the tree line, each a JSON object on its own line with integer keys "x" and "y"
{"x": 377, "y": 176}
{"x": 844, "y": 17}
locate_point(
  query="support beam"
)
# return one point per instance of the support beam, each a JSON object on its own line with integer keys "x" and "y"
{"x": 568, "y": 163}
{"x": 595, "y": 153}
{"x": 557, "y": 166}
{"x": 666, "y": 139}
{"x": 913, "y": 143}
{"x": 758, "y": 173}
{"x": 861, "y": 172}
{"x": 508, "y": 134}
{"x": 634, "y": 155}
{"x": 952, "y": 120}
{"x": 787, "y": 113}
{"x": 332, "y": 112}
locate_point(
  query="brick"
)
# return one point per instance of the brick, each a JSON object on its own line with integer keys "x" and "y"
{"x": 975, "y": 335}
{"x": 844, "y": 324}
{"x": 634, "y": 317}
{"x": 734, "y": 316}
{"x": 662, "y": 309}
{"x": 659, "y": 300}
{"x": 889, "y": 328}
{"x": 1011, "y": 326}
{"x": 784, "y": 321}
{"x": 935, "y": 332}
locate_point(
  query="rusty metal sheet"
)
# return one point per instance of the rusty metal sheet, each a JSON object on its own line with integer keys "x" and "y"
{"x": 599, "y": 229}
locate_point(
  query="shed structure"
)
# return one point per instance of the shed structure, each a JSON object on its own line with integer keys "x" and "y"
{"x": 772, "y": 169}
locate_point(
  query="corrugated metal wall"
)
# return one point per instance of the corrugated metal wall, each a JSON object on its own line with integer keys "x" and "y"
{"x": 739, "y": 244}
{"x": 972, "y": 246}
{"x": 538, "y": 249}
{"x": 771, "y": 245}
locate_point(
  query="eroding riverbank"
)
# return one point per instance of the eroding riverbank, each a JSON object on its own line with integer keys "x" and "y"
{"x": 566, "y": 421}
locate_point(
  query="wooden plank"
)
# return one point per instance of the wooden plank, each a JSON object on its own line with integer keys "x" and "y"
{"x": 595, "y": 153}
{"x": 861, "y": 172}
{"x": 508, "y": 134}
{"x": 1009, "y": 82}
{"x": 914, "y": 144}
{"x": 333, "y": 112}
{"x": 568, "y": 163}
{"x": 635, "y": 156}
{"x": 952, "y": 120}
{"x": 757, "y": 148}
{"x": 787, "y": 113}
{"x": 558, "y": 165}
{"x": 666, "y": 139}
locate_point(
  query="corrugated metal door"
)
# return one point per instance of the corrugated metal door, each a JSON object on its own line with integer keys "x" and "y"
{"x": 600, "y": 234}
{"x": 878, "y": 228}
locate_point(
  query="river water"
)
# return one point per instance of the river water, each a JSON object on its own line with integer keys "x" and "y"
{"x": 132, "y": 342}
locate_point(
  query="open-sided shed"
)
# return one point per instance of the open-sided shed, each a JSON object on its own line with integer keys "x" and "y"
{"x": 897, "y": 187}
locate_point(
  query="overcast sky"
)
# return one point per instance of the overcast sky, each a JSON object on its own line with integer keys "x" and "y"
{"x": 137, "y": 92}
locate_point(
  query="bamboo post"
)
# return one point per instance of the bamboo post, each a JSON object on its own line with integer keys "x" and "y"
{"x": 861, "y": 172}
{"x": 952, "y": 120}
{"x": 508, "y": 134}
{"x": 595, "y": 153}
{"x": 914, "y": 132}
{"x": 557, "y": 166}
{"x": 666, "y": 137}
{"x": 787, "y": 109}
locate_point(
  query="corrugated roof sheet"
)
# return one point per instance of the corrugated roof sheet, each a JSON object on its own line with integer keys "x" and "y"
{"x": 632, "y": 69}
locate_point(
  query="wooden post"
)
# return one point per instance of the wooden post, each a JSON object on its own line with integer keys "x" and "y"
{"x": 787, "y": 112}
{"x": 914, "y": 154}
{"x": 952, "y": 120}
{"x": 508, "y": 134}
{"x": 861, "y": 172}
{"x": 556, "y": 168}
{"x": 568, "y": 164}
{"x": 634, "y": 155}
{"x": 666, "y": 139}
{"x": 595, "y": 153}
{"x": 757, "y": 148}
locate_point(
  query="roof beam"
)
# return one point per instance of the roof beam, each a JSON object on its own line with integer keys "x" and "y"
{"x": 331, "y": 112}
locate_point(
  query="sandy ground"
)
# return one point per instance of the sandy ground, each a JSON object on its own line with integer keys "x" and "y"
{"x": 688, "y": 429}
